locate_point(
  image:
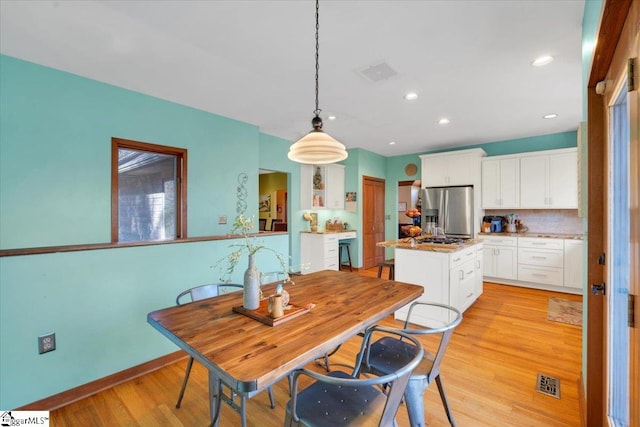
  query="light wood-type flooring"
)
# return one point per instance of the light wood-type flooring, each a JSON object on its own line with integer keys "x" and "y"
{"x": 489, "y": 372}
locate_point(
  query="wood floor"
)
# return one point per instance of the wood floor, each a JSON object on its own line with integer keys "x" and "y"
{"x": 489, "y": 373}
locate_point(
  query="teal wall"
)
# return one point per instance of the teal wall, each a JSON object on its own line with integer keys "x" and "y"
{"x": 55, "y": 179}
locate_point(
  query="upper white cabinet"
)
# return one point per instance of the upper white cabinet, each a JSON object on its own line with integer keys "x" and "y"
{"x": 322, "y": 186}
{"x": 500, "y": 182}
{"x": 549, "y": 180}
{"x": 451, "y": 168}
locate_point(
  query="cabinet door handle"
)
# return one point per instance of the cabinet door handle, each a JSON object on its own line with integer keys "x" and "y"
{"x": 470, "y": 294}
{"x": 456, "y": 260}
{"x": 478, "y": 264}
{"x": 538, "y": 275}
{"x": 539, "y": 257}
{"x": 539, "y": 243}
{"x": 470, "y": 272}
{"x": 461, "y": 274}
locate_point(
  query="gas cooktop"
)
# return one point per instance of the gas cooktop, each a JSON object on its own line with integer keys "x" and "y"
{"x": 447, "y": 240}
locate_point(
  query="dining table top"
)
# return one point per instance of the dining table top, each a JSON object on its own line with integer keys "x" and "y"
{"x": 249, "y": 355}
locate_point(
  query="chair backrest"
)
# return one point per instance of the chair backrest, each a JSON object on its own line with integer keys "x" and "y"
{"x": 273, "y": 222}
{"x": 397, "y": 380}
{"x": 262, "y": 224}
{"x": 205, "y": 291}
{"x": 279, "y": 226}
{"x": 273, "y": 276}
{"x": 445, "y": 331}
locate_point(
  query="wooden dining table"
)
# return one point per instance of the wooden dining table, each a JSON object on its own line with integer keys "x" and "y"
{"x": 248, "y": 355}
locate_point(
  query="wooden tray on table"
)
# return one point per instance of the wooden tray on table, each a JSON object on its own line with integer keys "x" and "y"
{"x": 261, "y": 314}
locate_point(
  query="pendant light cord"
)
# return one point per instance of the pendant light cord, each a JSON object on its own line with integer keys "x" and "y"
{"x": 317, "y": 110}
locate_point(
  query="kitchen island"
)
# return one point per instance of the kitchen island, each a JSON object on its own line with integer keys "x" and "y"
{"x": 449, "y": 273}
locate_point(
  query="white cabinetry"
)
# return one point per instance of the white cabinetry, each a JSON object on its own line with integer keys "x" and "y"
{"x": 541, "y": 260}
{"x": 535, "y": 262}
{"x": 500, "y": 182}
{"x": 573, "y": 264}
{"x": 549, "y": 180}
{"x": 322, "y": 186}
{"x": 451, "y": 168}
{"x": 320, "y": 251}
{"x": 500, "y": 256}
{"x": 447, "y": 278}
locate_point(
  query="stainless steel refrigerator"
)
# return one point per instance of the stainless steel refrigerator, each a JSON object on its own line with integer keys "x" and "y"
{"x": 450, "y": 208}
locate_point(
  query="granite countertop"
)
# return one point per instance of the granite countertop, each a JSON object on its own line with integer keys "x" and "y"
{"x": 533, "y": 234}
{"x": 328, "y": 232}
{"x": 429, "y": 247}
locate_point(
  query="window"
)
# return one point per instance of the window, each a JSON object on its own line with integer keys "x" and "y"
{"x": 148, "y": 192}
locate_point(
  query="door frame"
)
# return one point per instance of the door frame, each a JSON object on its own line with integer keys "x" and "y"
{"x": 616, "y": 36}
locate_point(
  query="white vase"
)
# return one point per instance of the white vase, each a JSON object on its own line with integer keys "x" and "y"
{"x": 251, "y": 292}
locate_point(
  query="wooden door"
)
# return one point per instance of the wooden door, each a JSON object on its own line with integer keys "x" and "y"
{"x": 372, "y": 221}
{"x": 617, "y": 43}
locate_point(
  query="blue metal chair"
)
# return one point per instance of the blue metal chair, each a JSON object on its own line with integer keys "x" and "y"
{"x": 388, "y": 354}
{"x": 342, "y": 399}
{"x": 209, "y": 291}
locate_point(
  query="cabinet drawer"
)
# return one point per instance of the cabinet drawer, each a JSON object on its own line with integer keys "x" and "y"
{"x": 462, "y": 256}
{"x": 542, "y": 257}
{"x": 540, "y": 243}
{"x": 347, "y": 235}
{"x": 331, "y": 251}
{"x": 499, "y": 240}
{"x": 330, "y": 264}
{"x": 546, "y": 275}
{"x": 330, "y": 239}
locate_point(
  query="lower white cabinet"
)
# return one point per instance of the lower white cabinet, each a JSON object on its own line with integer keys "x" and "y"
{"x": 537, "y": 262}
{"x": 447, "y": 278}
{"x": 541, "y": 260}
{"x": 319, "y": 251}
{"x": 574, "y": 264}
{"x": 500, "y": 257}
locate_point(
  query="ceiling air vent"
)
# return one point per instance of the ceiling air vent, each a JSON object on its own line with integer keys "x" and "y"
{"x": 377, "y": 73}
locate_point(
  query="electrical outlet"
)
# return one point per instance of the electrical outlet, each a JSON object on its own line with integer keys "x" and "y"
{"x": 222, "y": 220}
{"x": 47, "y": 342}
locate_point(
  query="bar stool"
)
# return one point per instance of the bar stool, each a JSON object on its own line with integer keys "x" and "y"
{"x": 391, "y": 263}
{"x": 342, "y": 246}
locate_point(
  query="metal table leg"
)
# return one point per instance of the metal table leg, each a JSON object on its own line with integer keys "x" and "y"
{"x": 215, "y": 390}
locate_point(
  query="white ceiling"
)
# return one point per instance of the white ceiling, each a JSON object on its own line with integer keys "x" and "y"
{"x": 254, "y": 61}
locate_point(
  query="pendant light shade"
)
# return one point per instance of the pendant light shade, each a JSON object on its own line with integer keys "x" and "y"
{"x": 317, "y": 147}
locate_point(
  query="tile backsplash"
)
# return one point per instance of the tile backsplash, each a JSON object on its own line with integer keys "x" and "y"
{"x": 561, "y": 221}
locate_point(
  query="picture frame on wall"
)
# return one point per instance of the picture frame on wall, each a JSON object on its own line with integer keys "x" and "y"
{"x": 265, "y": 202}
{"x": 402, "y": 206}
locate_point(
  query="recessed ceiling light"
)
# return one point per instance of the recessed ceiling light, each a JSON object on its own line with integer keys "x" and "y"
{"x": 411, "y": 96}
{"x": 444, "y": 121}
{"x": 542, "y": 61}
{"x": 331, "y": 117}
{"x": 550, "y": 116}
{"x": 392, "y": 143}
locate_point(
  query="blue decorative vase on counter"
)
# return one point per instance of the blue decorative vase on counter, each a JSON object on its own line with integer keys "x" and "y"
{"x": 251, "y": 291}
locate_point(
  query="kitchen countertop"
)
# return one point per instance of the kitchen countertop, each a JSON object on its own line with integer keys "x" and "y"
{"x": 430, "y": 247}
{"x": 532, "y": 234}
{"x": 328, "y": 232}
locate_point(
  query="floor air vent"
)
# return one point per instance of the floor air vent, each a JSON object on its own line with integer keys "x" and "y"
{"x": 548, "y": 385}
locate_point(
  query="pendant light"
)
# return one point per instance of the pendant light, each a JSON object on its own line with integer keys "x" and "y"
{"x": 317, "y": 147}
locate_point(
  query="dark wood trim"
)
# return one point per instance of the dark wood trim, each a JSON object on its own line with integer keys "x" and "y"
{"x": 406, "y": 183}
{"x": 77, "y": 393}
{"x": 97, "y": 246}
{"x": 114, "y": 190}
{"x": 614, "y": 14}
{"x": 181, "y": 188}
{"x": 597, "y": 157}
